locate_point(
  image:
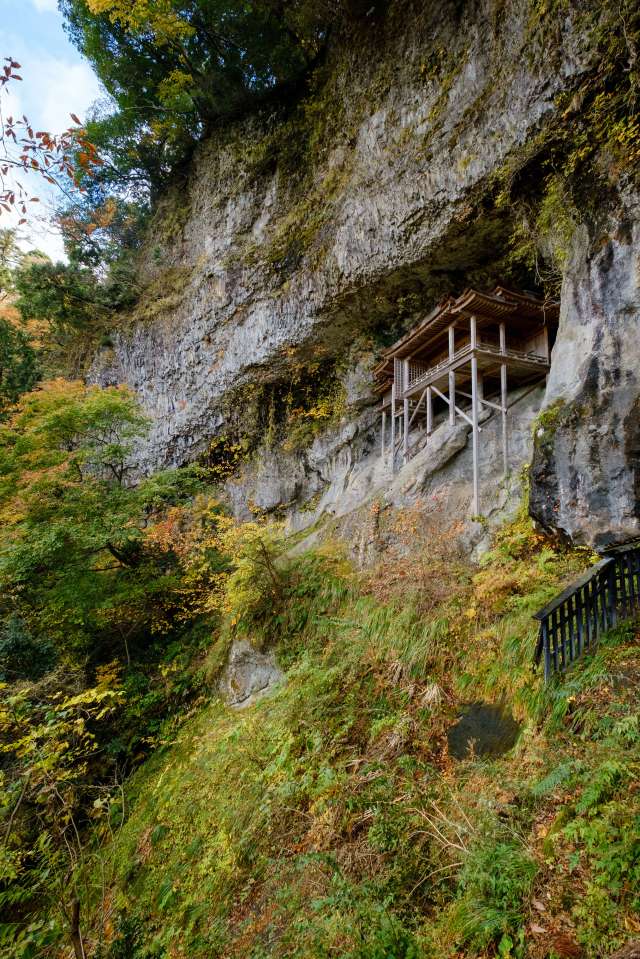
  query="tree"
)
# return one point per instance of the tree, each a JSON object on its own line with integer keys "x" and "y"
{"x": 10, "y": 258}
{"x": 175, "y": 68}
{"x": 67, "y": 295}
{"x": 18, "y": 365}
{"x": 93, "y": 579}
{"x": 52, "y": 762}
{"x": 76, "y": 303}
{"x": 74, "y": 563}
{"x": 18, "y": 361}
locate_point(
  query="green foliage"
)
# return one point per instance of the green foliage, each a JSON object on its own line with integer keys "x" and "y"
{"x": 21, "y": 657}
{"x": 175, "y": 70}
{"x": 328, "y": 819}
{"x": 494, "y": 886}
{"x": 49, "y": 750}
{"x": 76, "y": 303}
{"x": 311, "y": 400}
{"x": 101, "y": 618}
{"x": 73, "y": 560}
{"x": 541, "y": 237}
{"x": 10, "y": 258}
{"x": 255, "y": 588}
{"x": 18, "y": 365}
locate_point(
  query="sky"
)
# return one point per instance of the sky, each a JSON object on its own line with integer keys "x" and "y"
{"x": 56, "y": 83}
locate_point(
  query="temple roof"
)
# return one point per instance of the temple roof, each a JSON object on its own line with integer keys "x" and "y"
{"x": 521, "y": 312}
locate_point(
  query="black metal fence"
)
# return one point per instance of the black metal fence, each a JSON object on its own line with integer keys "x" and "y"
{"x": 571, "y": 624}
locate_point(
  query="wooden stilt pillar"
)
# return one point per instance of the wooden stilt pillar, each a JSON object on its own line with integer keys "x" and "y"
{"x": 452, "y": 377}
{"x": 393, "y": 427}
{"x": 429, "y": 412}
{"x": 384, "y": 429}
{"x": 474, "y": 419}
{"x": 503, "y": 401}
{"x": 405, "y": 385}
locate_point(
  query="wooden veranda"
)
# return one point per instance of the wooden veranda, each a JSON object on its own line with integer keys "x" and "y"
{"x": 462, "y": 357}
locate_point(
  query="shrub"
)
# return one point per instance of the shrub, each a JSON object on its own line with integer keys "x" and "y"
{"x": 493, "y": 887}
{"x": 21, "y": 656}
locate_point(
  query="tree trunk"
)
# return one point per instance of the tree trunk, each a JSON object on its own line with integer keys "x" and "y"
{"x": 76, "y": 936}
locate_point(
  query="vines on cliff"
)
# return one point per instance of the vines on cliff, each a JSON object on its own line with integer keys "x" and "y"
{"x": 576, "y": 167}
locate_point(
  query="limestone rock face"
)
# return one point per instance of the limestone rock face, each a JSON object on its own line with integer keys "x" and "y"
{"x": 248, "y": 675}
{"x": 585, "y": 479}
{"x": 237, "y": 278}
{"x": 356, "y": 481}
{"x": 246, "y": 275}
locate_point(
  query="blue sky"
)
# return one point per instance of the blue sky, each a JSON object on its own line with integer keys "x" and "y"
{"x": 56, "y": 83}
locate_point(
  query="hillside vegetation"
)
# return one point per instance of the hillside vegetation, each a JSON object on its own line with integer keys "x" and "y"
{"x": 330, "y": 820}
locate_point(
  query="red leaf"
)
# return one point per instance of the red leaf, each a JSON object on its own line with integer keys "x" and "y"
{"x": 75, "y": 118}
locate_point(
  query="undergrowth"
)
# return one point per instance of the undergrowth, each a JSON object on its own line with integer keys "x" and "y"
{"x": 330, "y": 820}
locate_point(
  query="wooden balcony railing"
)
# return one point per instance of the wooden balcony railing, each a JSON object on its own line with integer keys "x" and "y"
{"x": 420, "y": 374}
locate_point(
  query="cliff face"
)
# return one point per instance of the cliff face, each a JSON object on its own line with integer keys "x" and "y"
{"x": 586, "y": 468}
{"x": 300, "y": 238}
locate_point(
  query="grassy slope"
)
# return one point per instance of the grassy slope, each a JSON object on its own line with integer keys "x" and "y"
{"x": 329, "y": 819}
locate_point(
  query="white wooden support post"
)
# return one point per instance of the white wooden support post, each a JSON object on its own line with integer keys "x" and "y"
{"x": 405, "y": 386}
{"x": 503, "y": 400}
{"x": 384, "y": 429}
{"x": 474, "y": 346}
{"x": 393, "y": 426}
{"x": 474, "y": 419}
{"x": 452, "y": 377}
{"x": 429, "y": 412}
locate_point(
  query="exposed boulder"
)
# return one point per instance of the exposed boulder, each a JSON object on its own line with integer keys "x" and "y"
{"x": 248, "y": 675}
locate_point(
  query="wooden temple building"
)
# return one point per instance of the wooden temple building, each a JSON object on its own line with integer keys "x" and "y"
{"x": 463, "y": 357}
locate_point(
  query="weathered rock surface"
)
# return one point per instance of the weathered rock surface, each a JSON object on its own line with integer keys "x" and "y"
{"x": 428, "y": 118}
{"x": 248, "y": 675}
{"x": 586, "y": 469}
{"x": 249, "y": 274}
{"x": 337, "y": 480}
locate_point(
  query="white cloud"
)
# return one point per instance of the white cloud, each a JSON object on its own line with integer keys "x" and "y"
{"x": 46, "y": 6}
{"x": 66, "y": 88}
{"x": 43, "y": 237}
{"x": 11, "y": 102}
